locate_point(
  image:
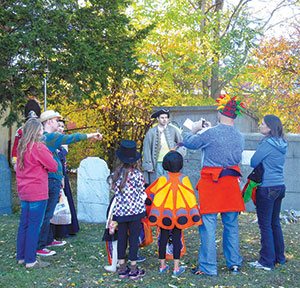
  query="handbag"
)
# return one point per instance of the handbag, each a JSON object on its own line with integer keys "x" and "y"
{"x": 145, "y": 237}
{"x": 254, "y": 179}
{"x": 62, "y": 213}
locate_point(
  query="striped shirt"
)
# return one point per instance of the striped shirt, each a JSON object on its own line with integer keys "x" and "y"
{"x": 53, "y": 141}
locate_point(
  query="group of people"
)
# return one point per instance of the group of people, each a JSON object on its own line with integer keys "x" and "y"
{"x": 41, "y": 174}
{"x": 161, "y": 195}
{"x": 171, "y": 204}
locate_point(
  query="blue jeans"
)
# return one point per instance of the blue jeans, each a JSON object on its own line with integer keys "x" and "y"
{"x": 268, "y": 204}
{"x": 32, "y": 214}
{"x": 46, "y": 234}
{"x": 208, "y": 249}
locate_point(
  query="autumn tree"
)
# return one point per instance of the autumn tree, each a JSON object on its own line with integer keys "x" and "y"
{"x": 272, "y": 81}
{"x": 196, "y": 49}
{"x": 121, "y": 114}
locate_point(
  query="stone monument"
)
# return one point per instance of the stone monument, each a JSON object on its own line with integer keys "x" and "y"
{"x": 5, "y": 186}
{"x": 92, "y": 190}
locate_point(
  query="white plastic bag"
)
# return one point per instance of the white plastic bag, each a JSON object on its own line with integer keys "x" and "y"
{"x": 62, "y": 213}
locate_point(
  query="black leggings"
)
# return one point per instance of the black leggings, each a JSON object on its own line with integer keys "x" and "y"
{"x": 164, "y": 237}
{"x": 134, "y": 228}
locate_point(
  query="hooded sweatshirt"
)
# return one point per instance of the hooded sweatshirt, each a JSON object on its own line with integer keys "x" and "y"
{"x": 272, "y": 153}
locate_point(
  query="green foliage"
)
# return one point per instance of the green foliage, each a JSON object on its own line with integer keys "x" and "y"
{"x": 195, "y": 49}
{"x": 83, "y": 47}
{"x": 119, "y": 115}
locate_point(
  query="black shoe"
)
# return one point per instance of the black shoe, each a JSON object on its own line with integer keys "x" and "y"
{"x": 124, "y": 273}
{"x": 137, "y": 274}
{"x": 235, "y": 270}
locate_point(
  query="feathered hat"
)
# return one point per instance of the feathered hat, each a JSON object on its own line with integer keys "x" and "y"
{"x": 32, "y": 109}
{"x": 230, "y": 107}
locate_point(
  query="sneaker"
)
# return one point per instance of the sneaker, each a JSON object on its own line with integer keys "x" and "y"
{"x": 179, "y": 271}
{"x": 124, "y": 273}
{"x": 139, "y": 259}
{"x": 110, "y": 268}
{"x": 235, "y": 270}
{"x": 257, "y": 265}
{"x": 56, "y": 243}
{"x": 163, "y": 270}
{"x": 137, "y": 274}
{"x": 45, "y": 252}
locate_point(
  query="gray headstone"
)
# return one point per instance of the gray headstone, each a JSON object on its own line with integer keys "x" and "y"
{"x": 92, "y": 190}
{"x": 5, "y": 186}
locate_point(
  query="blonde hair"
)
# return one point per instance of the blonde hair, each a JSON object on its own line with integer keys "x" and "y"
{"x": 31, "y": 135}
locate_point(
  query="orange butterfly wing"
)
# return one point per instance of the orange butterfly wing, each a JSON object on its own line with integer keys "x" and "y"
{"x": 172, "y": 202}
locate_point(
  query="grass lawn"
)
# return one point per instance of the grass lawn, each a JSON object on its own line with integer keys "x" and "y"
{"x": 80, "y": 262}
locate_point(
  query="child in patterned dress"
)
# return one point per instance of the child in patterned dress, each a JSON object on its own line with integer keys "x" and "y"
{"x": 129, "y": 209}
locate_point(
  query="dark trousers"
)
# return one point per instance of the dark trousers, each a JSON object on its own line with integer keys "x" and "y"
{"x": 268, "y": 204}
{"x": 62, "y": 231}
{"x": 134, "y": 228}
{"x": 164, "y": 237}
{"x": 46, "y": 234}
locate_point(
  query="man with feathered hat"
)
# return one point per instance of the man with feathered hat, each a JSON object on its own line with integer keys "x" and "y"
{"x": 218, "y": 187}
{"x": 32, "y": 110}
{"x": 157, "y": 143}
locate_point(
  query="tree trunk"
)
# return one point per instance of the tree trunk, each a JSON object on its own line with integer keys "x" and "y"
{"x": 215, "y": 85}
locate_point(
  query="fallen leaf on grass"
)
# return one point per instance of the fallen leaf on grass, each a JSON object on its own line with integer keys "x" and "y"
{"x": 93, "y": 257}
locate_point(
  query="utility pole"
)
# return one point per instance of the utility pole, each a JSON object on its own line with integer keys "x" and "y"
{"x": 45, "y": 86}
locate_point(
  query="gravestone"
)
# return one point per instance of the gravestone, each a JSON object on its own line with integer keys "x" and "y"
{"x": 92, "y": 190}
{"x": 5, "y": 186}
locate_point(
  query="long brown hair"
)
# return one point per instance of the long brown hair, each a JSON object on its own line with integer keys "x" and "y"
{"x": 275, "y": 125}
{"x": 31, "y": 135}
{"x": 122, "y": 170}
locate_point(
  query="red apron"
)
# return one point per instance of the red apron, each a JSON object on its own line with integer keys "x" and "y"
{"x": 217, "y": 195}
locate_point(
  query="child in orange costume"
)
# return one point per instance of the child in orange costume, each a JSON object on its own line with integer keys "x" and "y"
{"x": 172, "y": 206}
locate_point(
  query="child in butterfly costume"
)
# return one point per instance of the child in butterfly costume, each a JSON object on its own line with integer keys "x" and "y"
{"x": 172, "y": 206}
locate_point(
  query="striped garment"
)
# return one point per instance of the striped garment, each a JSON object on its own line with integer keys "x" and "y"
{"x": 53, "y": 141}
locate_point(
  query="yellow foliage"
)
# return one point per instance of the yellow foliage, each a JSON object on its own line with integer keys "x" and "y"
{"x": 275, "y": 77}
{"x": 122, "y": 114}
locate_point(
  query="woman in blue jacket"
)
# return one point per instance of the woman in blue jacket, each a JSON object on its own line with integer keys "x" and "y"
{"x": 271, "y": 152}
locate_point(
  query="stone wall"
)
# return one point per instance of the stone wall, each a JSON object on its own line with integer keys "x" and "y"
{"x": 248, "y": 126}
{"x": 247, "y": 123}
{"x": 291, "y": 169}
